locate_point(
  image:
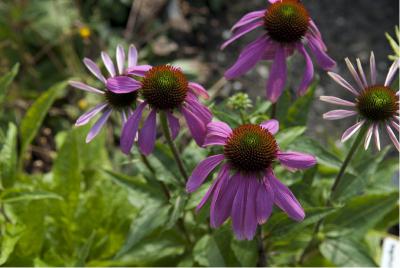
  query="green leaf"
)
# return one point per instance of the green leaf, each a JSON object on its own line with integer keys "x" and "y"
{"x": 347, "y": 252}
{"x": 298, "y": 111}
{"x": 245, "y": 251}
{"x": 35, "y": 115}
{"x": 8, "y": 157}
{"x": 150, "y": 218}
{"x": 8, "y": 241}
{"x": 142, "y": 190}
{"x": 285, "y": 137}
{"x": 352, "y": 185}
{"x": 207, "y": 253}
{"x": 308, "y": 145}
{"x": 5, "y": 82}
{"x": 15, "y": 195}
{"x": 83, "y": 253}
{"x": 178, "y": 208}
{"x": 67, "y": 171}
{"x": 361, "y": 214}
{"x": 280, "y": 226}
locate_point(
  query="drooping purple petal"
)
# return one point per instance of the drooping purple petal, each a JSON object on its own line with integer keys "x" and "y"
{"x": 352, "y": 130}
{"x": 296, "y": 160}
{"x": 270, "y": 50}
{"x": 264, "y": 201}
{"x": 271, "y": 125}
{"x": 122, "y": 84}
{"x": 147, "y": 135}
{"x": 94, "y": 69}
{"x": 239, "y": 208}
{"x": 82, "y": 86}
{"x": 223, "y": 201}
{"x": 249, "y": 57}
{"x": 368, "y": 136}
{"x": 196, "y": 126}
{"x": 393, "y": 137}
{"x": 249, "y": 17}
{"x": 321, "y": 57}
{"x": 392, "y": 71}
{"x": 201, "y": 172}
{"x": 201, "y": 111}
{"x": 108, "y": 63}
{"x": 218, "y": 216}
{"x": 308, "y": 73}
{"x": 198, "y": 90}
{"x": 217, "y": 133}
{"x": 340, "y": 80}
{"x": 130, "y": 129}
{"x": 239, "y": 32}
{"x": 173, "y": 124}
{"x": 285, "y": 199}
{"x": 124, "y": 118}
{"x": 372, "y": 66}
{"x": 215, "y": 186}
{"x": 120, "y": 59}
{"x": 132, "y": 56}
{"x": 139, "y": 70}
{"x": 98, "y": 126}
{"x": 337, "y": 101}
{"x": 250, "y": 217}
{"x": 338, "y": 114}
{"x": 317, "y": 35}
{"x": 354, "y": 74}
{"x": 376, "y": 137}
{"x": 277, "y": 77}
{"x": 85, "y": 118}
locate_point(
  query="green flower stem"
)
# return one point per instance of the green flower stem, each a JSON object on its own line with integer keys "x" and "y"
{"x": 314, "y": 241}
{"x": 262, "y": 255}
{"x": 346, "y": 162}
{"x": 175, "y": 152}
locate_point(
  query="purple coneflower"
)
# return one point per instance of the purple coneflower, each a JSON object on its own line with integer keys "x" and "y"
{"x": 122, "y": 103}
{"x": 375, "y": 104}
{"x": 287, "y": 27}
{"x": 246, "y": 187}
{"x": 164, "y": 89}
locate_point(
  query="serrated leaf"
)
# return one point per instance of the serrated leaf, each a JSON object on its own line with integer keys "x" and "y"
{"x": 8, "y": 157}
{"x": 35, "y": 115}
{"x": 361, "y": 213}
{"x": 150, "y": 218}
{"x": 5, "y": 82}
{"x": 347, "y": 252}
{"x": 285, "y": 137}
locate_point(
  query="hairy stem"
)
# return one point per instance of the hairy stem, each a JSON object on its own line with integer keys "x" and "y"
{"x": 273, "y": 110}
{"x": 171, "y": 144}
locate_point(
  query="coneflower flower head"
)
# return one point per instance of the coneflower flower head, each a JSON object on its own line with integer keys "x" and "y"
{"x": 375, "y": 104}
{"x": 246, "y": 187}
{"x": 287, "y": 27}
{"x": 122, "y": 103}
{"x": 165, "y": 89}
